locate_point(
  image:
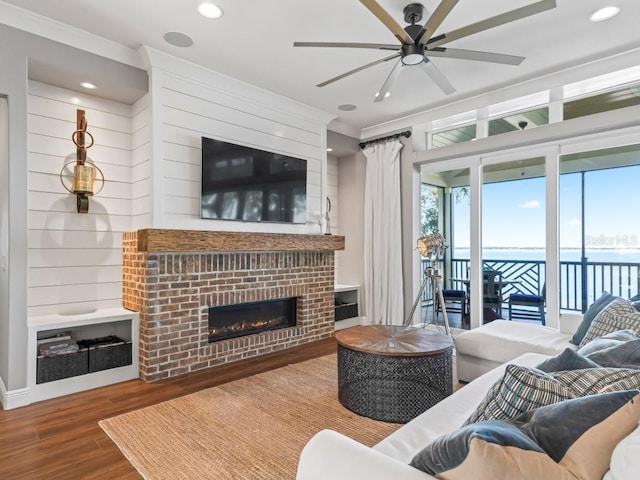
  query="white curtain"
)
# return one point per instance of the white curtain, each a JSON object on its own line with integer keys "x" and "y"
{"x": 383, "y": 289}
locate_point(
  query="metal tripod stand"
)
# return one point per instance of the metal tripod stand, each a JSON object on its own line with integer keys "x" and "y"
{"x": 433, "y": 279}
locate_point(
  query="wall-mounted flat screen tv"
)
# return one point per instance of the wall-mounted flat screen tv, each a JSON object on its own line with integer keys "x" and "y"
{"x": 251, "y": 185}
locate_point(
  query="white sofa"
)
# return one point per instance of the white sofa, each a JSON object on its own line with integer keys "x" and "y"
{"x": 485, "y": 348}
{"x": 332, "y": 456}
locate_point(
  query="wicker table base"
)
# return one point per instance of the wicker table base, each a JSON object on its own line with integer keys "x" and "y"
{"x": 387, "y": 382}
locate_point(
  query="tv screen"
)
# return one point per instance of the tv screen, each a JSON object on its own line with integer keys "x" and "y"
{"x": 251, "y": 185}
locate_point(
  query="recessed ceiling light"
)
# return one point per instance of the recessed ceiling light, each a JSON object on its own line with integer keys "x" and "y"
{"x": 329, "y": 149}
{"x": 88, "y": 85}
{"x": 604, "y": 14}
{"x": 347, "y": 107}
{"x": 210, "y": 10}
{"x": 178, "y": 39}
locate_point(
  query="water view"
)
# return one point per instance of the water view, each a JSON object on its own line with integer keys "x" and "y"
{"x": 566, "y": 254}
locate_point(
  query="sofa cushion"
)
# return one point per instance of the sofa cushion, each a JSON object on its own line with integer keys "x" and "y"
{"x": 573, "y": 439}
{"x": 520, "y": 389}
{"x": 597, "y": 380}
{"x": 502, "y": 340}
{"x": 625, "y": 355}
{"x": 607, "y": 341}
{"x": 567, "y": 360}
{"x": 618, "y": 315}
{"x": 589, "y": 316}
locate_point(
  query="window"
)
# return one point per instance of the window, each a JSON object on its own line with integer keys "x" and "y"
{"x": 519, "y": 121}
{"x": 455, "y": 135}
{"x": 603, "y": 102}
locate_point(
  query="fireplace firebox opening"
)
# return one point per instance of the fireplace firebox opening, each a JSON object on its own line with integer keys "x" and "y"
{"x": 231, "y": 321}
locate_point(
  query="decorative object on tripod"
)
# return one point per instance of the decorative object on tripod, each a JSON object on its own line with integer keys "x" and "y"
{"x": 84, "y": 170}
{"x": 432, "y": 247}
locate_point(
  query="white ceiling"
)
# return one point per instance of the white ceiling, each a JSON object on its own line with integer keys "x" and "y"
{"x": 253, "y": 42}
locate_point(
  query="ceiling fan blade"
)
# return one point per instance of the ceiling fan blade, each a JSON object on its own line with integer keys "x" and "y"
{"x": 492, "y": 22}
{"x": 356, "y": 70}
{"x": 375, "y": 46}
{"x": 437, "y": 76}
{"x": 388, "y": 83}
{"x": 436, "y": 19}
{"x": 375, "y": 8}
{"x": 474, "y": 55}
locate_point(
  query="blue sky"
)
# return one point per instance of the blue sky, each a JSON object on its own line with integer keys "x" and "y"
{"x": 514, "y": 212}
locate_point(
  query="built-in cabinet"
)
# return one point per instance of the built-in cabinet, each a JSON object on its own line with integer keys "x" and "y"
{"x": 347, "y": 306}
{"x": 89, "y": 367}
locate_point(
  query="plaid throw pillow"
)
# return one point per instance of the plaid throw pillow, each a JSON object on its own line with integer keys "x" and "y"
{"x": 520, "y": 390}
{"x": 618, "y": 315}
{"x": 599, "y": 380}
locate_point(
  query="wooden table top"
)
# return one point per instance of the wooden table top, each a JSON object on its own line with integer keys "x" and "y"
{"x": 393, "y": 340}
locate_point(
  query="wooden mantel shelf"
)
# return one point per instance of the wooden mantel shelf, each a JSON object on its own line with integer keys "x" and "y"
{"x": 162, "y": 240}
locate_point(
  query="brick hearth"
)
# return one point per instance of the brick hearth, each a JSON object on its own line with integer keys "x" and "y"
{"x": 172, "y": 277}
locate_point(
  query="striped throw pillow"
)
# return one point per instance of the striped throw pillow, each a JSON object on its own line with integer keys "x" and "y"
{"x": 520, "y": 389}
{"x": 599, "y": 380}
{"x": 618, "y": 315}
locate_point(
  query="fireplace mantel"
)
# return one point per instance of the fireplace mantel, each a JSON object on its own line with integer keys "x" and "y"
{"x": 164, "y": 240}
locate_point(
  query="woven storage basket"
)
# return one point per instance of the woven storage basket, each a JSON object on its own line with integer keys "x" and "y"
{"x": 57, "y": 367}
{"x": 107, "y": 352}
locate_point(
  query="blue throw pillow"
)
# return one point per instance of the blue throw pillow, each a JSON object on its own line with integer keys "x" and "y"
{"x": 626, "y": 355}
{"x": 567, "y": 360}
{"x": 607, "y": 341}
{"x": 596, "y": 307}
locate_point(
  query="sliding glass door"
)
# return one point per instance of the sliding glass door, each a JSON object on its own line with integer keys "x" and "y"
{"x": 514, "y": 239}
{"x": 444, "y": 208}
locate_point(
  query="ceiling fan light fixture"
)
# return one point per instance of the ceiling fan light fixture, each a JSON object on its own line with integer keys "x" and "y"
{"x": 412, "y": 54}
{"x": 605, "y": 13}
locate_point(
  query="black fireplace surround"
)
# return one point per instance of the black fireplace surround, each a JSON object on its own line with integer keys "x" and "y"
{"x": 231, "y": 321}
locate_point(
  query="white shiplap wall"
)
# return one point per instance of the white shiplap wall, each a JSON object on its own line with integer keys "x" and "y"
{"x": 74, "y": 260}
{"x": 142, "y": 171}
{"x": 190, "y": 102}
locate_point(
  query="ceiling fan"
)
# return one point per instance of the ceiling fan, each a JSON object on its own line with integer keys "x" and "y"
{"x": 419, "y": 42}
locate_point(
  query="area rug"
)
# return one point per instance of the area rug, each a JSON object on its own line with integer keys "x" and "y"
{"x": 254, "y": 428}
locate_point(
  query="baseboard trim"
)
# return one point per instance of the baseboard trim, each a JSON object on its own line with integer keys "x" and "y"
{"x": 15, "y": 398}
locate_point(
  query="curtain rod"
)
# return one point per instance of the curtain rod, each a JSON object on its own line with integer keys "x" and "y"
{"x": 395, "y": 136}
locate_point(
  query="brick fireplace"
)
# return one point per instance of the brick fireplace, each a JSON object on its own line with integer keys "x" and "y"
{"x": 173, "y": 277}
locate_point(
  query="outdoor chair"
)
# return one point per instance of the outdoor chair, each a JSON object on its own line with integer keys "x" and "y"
{"x": 455, "y": 297}
{"x": 532, "y": 306}
{"x": 492, "y": 297}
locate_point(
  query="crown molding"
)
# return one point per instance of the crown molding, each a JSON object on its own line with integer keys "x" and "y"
{"x": 42, "y": 26}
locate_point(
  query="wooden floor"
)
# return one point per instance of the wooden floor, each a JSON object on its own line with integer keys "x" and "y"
{"x": 61, "y": 439}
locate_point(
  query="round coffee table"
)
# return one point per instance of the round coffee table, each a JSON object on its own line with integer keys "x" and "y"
{"x": 393, "y": 373}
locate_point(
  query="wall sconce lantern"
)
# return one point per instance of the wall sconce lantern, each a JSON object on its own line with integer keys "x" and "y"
{"x": 84, "y": 170}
